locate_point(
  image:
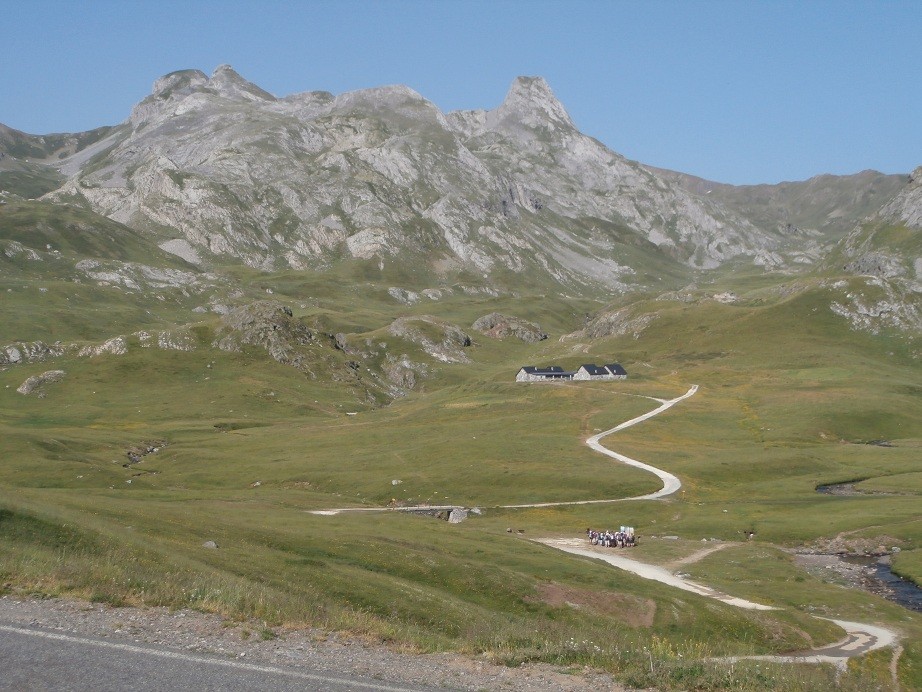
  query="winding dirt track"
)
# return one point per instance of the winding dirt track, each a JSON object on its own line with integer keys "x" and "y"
{"x": 860, "y": 638}
{"x": 670, "y": 482}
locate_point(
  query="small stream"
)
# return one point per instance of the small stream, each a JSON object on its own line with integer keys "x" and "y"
{"x": 877, "y": 576}
{"x": 881, "y": 580}
{"x": 849, "y": 490}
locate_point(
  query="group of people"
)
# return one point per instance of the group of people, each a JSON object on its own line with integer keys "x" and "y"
{"x": 623, "y": 538}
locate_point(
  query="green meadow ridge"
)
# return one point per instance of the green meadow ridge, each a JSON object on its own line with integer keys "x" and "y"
{"x": 233, "y": 310}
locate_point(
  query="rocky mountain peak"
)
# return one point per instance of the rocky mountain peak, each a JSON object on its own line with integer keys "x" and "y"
{"x": 228, "y": 169}
{"x": 180, "y": 82}
{"x": 391, "y": 99}
{"x": 228, "y": 83}
{"x": 171, "y": 89}
{"x": 531, "y": 102}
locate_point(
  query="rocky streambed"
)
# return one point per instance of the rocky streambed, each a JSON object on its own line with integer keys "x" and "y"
{"x": 868, "y": 572}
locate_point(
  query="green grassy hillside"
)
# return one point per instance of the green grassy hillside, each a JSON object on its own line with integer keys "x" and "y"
{"x": 790, "y": 398}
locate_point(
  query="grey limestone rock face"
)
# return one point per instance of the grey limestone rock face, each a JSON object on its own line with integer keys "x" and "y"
{"x": 906, "y": 207}
{"x": 382, "y": 174}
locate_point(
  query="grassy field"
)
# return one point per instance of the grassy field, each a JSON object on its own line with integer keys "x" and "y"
{"x": 790, "y": 399}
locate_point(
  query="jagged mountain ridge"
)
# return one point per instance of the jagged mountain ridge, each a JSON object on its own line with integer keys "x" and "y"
{"x": 215, "y": 167}
{"x": 222, "y": 168}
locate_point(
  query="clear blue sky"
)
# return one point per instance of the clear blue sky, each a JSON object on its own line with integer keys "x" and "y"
{"x": 739, "y": 92}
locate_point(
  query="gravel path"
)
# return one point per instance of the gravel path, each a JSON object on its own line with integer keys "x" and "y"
{"x": 578, "y": 546}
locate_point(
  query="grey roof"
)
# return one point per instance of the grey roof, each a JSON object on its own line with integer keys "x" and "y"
{"x": 615, "y": 369}
{"x": 534, "y": 369}
{"x": 594, "y": 369}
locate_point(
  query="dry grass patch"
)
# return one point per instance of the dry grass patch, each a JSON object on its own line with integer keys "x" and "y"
{"x": 630, "y": 610}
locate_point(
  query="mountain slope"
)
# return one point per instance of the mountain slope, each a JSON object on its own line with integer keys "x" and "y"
{"x": 827, "y": 203}
{"x": 312, "y": 178}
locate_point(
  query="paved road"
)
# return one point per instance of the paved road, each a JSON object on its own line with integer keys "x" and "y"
{"x": 38, "y": 659}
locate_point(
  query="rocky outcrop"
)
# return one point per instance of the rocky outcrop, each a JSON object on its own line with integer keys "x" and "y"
{"x": 36, "y": 383}
{"x": 116, "y": 346}
{"x": 403, "y": 372}
{"x": 38, "y": 351}
{"x": 30, "y": 352}
{"x": 403, "y": 295}
{"x": 906, "y": 207}
{"x": 615, "y": 323}
{"x": 498, "y": 326}
{"x": 439, "y": 339}
{"x": 875, "y": 304}
{"x": 136, "y": 453}
{"x": 268, "y": 325}
{"x": 134, "y": 276}
{"x": 879, "y": 264}
{"x": 168, "y": 340}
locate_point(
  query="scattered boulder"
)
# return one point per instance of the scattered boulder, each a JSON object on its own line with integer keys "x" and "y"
{"x": 211, "y": 545}
{"x": 499, "y": 326}
{"x": 36, "y": 383}
{"x": 457, "y": 515}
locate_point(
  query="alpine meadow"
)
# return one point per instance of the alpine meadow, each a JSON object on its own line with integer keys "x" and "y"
{"x": 234, "y": 319}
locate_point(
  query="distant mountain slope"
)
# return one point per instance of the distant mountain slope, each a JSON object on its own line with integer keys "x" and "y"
{"x": 312, "y": 178}
{"x": 889, "y": 243}
{"x": 831, "y": 204}
{"x": 47, "y": 147}
{"x": 216, "y": 169}
{"x": 906, "y": 207}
